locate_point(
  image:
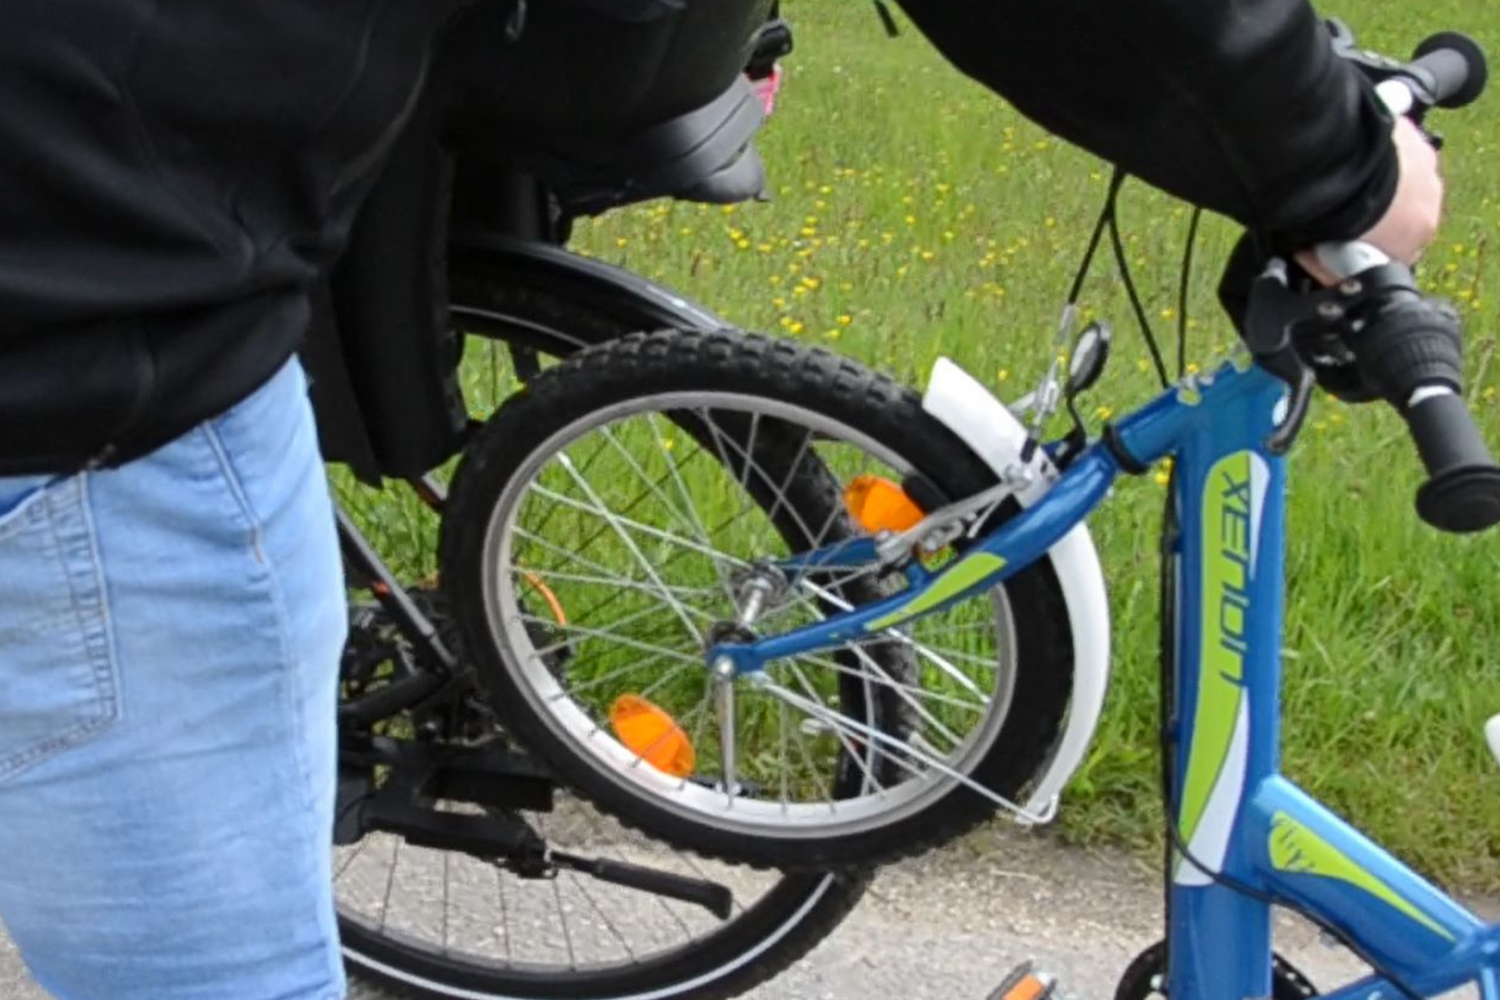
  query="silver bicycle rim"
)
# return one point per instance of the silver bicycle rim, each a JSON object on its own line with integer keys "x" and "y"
{"x": 877, "y": 807}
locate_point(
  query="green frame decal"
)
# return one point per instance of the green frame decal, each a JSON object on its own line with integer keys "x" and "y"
{"x": 950, "y": 583}
{"x": 1297, "y": 850}
{"x": 1227, "y": 531}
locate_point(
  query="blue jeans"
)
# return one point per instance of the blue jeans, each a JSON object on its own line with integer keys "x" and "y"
{"x": 169, "y": 642}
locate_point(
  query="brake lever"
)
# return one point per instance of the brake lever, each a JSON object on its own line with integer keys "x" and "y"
{"x": 1300, "y": 402}
{"x": 1274, "y": 314}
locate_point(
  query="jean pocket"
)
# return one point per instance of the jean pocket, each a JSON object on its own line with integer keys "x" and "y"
{"x": 15, "y": 491}
{"x": 58, "y": 684}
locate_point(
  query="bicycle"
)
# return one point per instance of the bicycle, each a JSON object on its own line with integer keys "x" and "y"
{"x": 960, "y": 526}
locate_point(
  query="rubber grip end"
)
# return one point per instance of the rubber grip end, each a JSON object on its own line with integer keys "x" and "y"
{"x": 1462, "y": 500}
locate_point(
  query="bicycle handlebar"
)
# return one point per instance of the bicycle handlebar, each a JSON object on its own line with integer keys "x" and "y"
{"x": 1452, "y": 68}
{"x": 1463, "y": 492}
{"x": 1410, "y": 350}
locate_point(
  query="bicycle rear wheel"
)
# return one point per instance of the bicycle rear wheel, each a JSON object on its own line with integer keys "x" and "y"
{"x": 646, "y": 479}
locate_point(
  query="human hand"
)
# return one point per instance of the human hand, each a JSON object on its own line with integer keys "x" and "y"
{"x": 1411, "y": 222}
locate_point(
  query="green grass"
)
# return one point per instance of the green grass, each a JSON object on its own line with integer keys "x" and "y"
{"x": 917, "y": 216}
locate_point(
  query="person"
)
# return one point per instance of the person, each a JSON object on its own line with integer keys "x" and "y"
{"x": 174, "y": 177}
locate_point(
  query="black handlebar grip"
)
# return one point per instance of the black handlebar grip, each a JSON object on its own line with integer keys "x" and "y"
{"x": 1463, "y": 493}
{"x": 1454, "y": 68}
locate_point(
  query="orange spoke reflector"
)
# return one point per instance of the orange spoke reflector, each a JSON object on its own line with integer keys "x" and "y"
{"x": 653, "y": 735}
{"x": 880, "y": 505}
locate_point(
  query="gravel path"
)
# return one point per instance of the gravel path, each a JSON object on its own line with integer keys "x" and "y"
{"x": 948, "y": 927}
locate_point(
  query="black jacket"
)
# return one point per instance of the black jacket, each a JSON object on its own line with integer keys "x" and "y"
{"x": 1236, "y": 105}
{"x": 174, "y": 174}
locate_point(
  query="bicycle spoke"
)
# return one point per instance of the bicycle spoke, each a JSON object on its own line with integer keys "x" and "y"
{"x": 390, "y": 881}
{"x": 614, "y": 523}
{"x": 348, "y": 862}
{"x": 802, "y": 450}
{"x": 701, "y": 710}
{"x": 587, "y": 463}
{"x": 948, "y": 652}
{"x": 849, "y": 748}
{"x": 812, "y": 769}
{"x": 652, "y": 485}
{"x": 750, "y": 449}
{"x": 578, "y": 883}
{"x": 446, "y": 857}
{"x": 629, "y": 668}
{"x": 778, "y": 491}
{"x": 611, "y": 627}
{"x": 724, "y": 692}
{"x": 561, "y": 919}
{"x": 785, "y": 769}
{"x": 895, "y": 635}
{"x": 707, "y": 616}
{"x": 504, "y": 911}
{"x": 713, "y": 429}
{"x": 885, "y": 680}
{"x": 654, "y": 686}
{"x": 689, "y": 521}
{"x": 902, "y": 691}
{"x": 644, "y": 647}
{"x": 609, "y": 581}
{"x": 835, "y": 514}
{"x": 569, "y": 554}
{"x": 646, "y": 529}
{"x": 906, "y": 750}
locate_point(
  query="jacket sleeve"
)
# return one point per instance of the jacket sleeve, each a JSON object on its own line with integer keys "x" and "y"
{"x": 1236, "y": 105}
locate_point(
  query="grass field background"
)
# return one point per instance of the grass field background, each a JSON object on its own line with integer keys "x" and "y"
{"x": 917, "y": 216}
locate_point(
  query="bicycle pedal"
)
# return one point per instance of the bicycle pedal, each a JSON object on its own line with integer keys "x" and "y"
{"x": 1026, "y": 982}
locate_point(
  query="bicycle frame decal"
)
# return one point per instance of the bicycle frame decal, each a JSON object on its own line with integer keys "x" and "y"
{"x": 1296, "y": 849}
{"x": 1233, "y": 500}
{"x": 959, "y": 578}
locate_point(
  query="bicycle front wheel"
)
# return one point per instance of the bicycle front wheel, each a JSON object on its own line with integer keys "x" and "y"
{"x": 644, "y": 479}
{"x": 438, "y": 924}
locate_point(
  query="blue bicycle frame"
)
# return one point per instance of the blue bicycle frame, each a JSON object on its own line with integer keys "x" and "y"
{"x": 1237, "y": 815}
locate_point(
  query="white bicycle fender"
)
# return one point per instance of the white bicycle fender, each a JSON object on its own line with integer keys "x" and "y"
{"x": 984, "y": 423}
